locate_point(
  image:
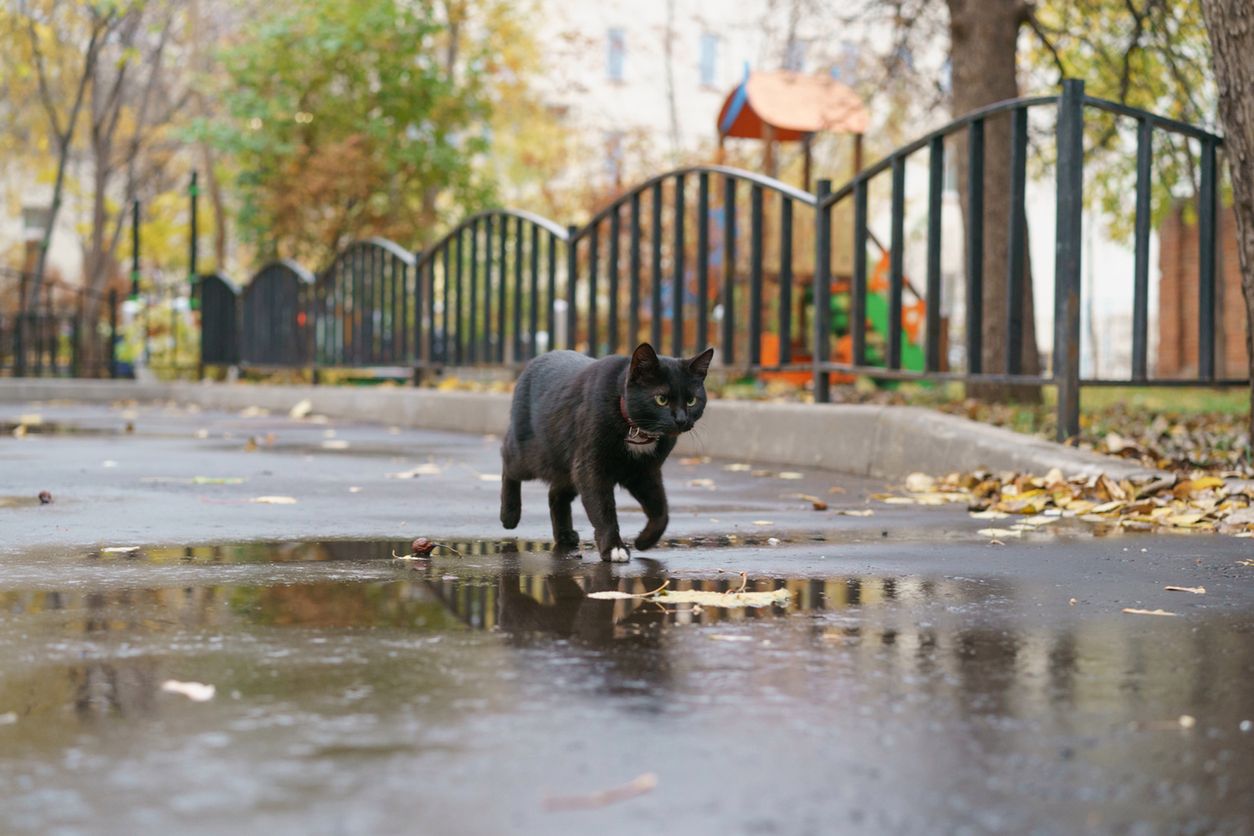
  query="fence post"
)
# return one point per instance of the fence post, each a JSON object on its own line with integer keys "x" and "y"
{"x": 822, "y": 290}
{"x": 1070, "y": 188}
{"x": 113, "y": 332}
{"x": 76, "y": 335}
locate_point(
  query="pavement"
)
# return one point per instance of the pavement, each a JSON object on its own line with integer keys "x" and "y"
{"x": 918, "y": 678}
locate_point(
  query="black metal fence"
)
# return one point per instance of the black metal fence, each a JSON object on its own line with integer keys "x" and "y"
{"x": 780, "y": 280}
{"x": 58, "y": 330}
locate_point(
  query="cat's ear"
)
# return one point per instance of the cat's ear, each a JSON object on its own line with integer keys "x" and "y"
{"x": 700, "y": 364}
{"x": 644, "y": 362}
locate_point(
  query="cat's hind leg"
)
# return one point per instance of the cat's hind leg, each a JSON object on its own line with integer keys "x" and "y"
{"x": 564, "y": 534}
{"x": 511, "y": 501}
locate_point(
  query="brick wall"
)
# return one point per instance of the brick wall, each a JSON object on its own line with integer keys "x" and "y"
{"x": 1178, "y": 303}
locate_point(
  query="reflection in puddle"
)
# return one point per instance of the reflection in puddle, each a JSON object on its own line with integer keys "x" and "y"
{"x": 337, "y": 686}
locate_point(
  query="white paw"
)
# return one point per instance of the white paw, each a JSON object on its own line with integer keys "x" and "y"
{"x": 620, "y": 555}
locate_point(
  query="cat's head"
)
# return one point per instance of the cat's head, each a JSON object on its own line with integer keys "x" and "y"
{"x": 666, "y": 395}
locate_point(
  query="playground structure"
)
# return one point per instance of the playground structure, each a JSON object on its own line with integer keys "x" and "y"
{"x": 788, "y": 107}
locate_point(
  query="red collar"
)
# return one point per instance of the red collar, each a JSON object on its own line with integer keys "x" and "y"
{"x": 635, "y": 435}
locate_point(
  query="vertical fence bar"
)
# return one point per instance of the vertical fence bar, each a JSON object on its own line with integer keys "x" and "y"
{"x": 135, "y": 249}
{"x": 472, "y": 313}
{"x": 729, "y": 271}
{"x": 975, "y": 247}
{"x": 19, "y": 329}
{"x": 857, "y": 292}
{"x": 533, "y": 311}
{"x": 552, "y": 294}
{"x": 935, "y": 189}
{"x": 822, "y": 289}
{"x": 459, "y": 322}
{"x": 485, "y": 348}
{"x": 572, "y": 273}
{"x": 755, "y": 275}
{"x": 1017, "y": 234}
{"x": 446, "y": 294}
{"x": 896, "y": 254}
{"x": 76, "y": 334}
{"x": 703, "y": 259}
{"x": 113, "y": 333}
{"x": 1140, "y": 268}
{"x": 785, "y": 280}
{"x": 519, "y": 240}
{"x": 594, "y": 258}
{"x": 1206, "y": 265}
{"x": 1067, "y": 256}
{"x": 502, "y": 276}
{"x": 429, "y": 358}
{"x": 677, "y": 286}
{"x": 633, "y": 301}
{"x": 612, "y": 313}
{"x": 655, "y": 275}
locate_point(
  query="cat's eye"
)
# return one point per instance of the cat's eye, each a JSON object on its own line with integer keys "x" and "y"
{"x": 692, "y": 401}
{"x": 661, "y": 400}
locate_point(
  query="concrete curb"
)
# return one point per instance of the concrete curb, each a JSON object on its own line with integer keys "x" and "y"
{"x": 880, "y": 441}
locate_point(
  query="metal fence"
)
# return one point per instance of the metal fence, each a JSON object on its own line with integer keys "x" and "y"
{"x": 58, "y": 330}
{"x": 779, "y": 279}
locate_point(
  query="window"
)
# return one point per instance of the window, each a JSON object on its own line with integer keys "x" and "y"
{"x": 709, "y": 59}
{"x": 616, "y": 53}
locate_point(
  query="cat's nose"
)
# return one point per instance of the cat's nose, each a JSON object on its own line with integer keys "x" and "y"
{"x": 681, "y": 420}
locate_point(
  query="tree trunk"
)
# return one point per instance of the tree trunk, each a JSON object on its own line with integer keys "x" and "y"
{"x": 983, "y": 36}
{"x": 1231, "y": 27}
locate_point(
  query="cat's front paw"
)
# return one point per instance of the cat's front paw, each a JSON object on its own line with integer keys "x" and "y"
{"x": 618, "y": 554}
{"x": 568, "y": 539}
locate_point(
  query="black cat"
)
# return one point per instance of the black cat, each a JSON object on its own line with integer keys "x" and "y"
{"x": 586, "y": 426}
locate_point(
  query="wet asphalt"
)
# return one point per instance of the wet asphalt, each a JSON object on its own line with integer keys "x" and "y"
{"x": 918, "y": 679}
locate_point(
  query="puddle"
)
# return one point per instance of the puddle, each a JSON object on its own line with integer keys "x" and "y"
{"x": 363, "y": 691}
{"x": 56, "y": 428}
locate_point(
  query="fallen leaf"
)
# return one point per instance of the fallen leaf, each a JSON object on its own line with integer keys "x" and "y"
{"x": 217, "y": 480}
{"x": 816, "y": 503}
{"x": 791, "y": 474}
{"x": 763, "y": 522}
{"x": 334, "y": 444}
{"x": 489, "y": 477}
{"x": 427, "y": 469}
{"x": 30, "y": 420}
{"x": 119, "y": 549}
{"x": 253, "y": 412}
{"x": 726, "y": 637}
{"x": 1196, "y": 590}
{"x": 919, "y": 482}
{"x": 1135, "y": 611}
{"x": 635, "y": 787}
{"x": 733, "y": 600}
{"x": 701, "y": 483}
{"x": 988, "y": 515}
{"x": 194, "y": 691}
{"x": 999, "y": 532}
{"x": 301, "y": 409}
{"x": 855, "y": 512}
{"x": 274, "y": 500}
{"x": 738, "y": 467}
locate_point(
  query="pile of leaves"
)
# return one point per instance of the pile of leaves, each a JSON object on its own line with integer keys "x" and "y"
{"x": 1212, "y": 442}
{"x": 1174, "y": 502}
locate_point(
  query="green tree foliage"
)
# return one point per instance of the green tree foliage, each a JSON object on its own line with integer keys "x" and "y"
{"x": 1149, "y": 54}
{"x": 346, "y": 119}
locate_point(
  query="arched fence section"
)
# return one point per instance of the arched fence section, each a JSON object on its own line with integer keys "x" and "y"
{"x": 778, "y": 279}
{"x": 490, "y": 290}
{"x": 219, "y": 306}
{"x": 698, "y": 256}
{"x": 275, "y": 317}
{"x": 365, "y": 307}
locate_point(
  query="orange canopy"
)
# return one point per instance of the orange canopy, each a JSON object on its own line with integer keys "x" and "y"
{"x": 794, "y": 105}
